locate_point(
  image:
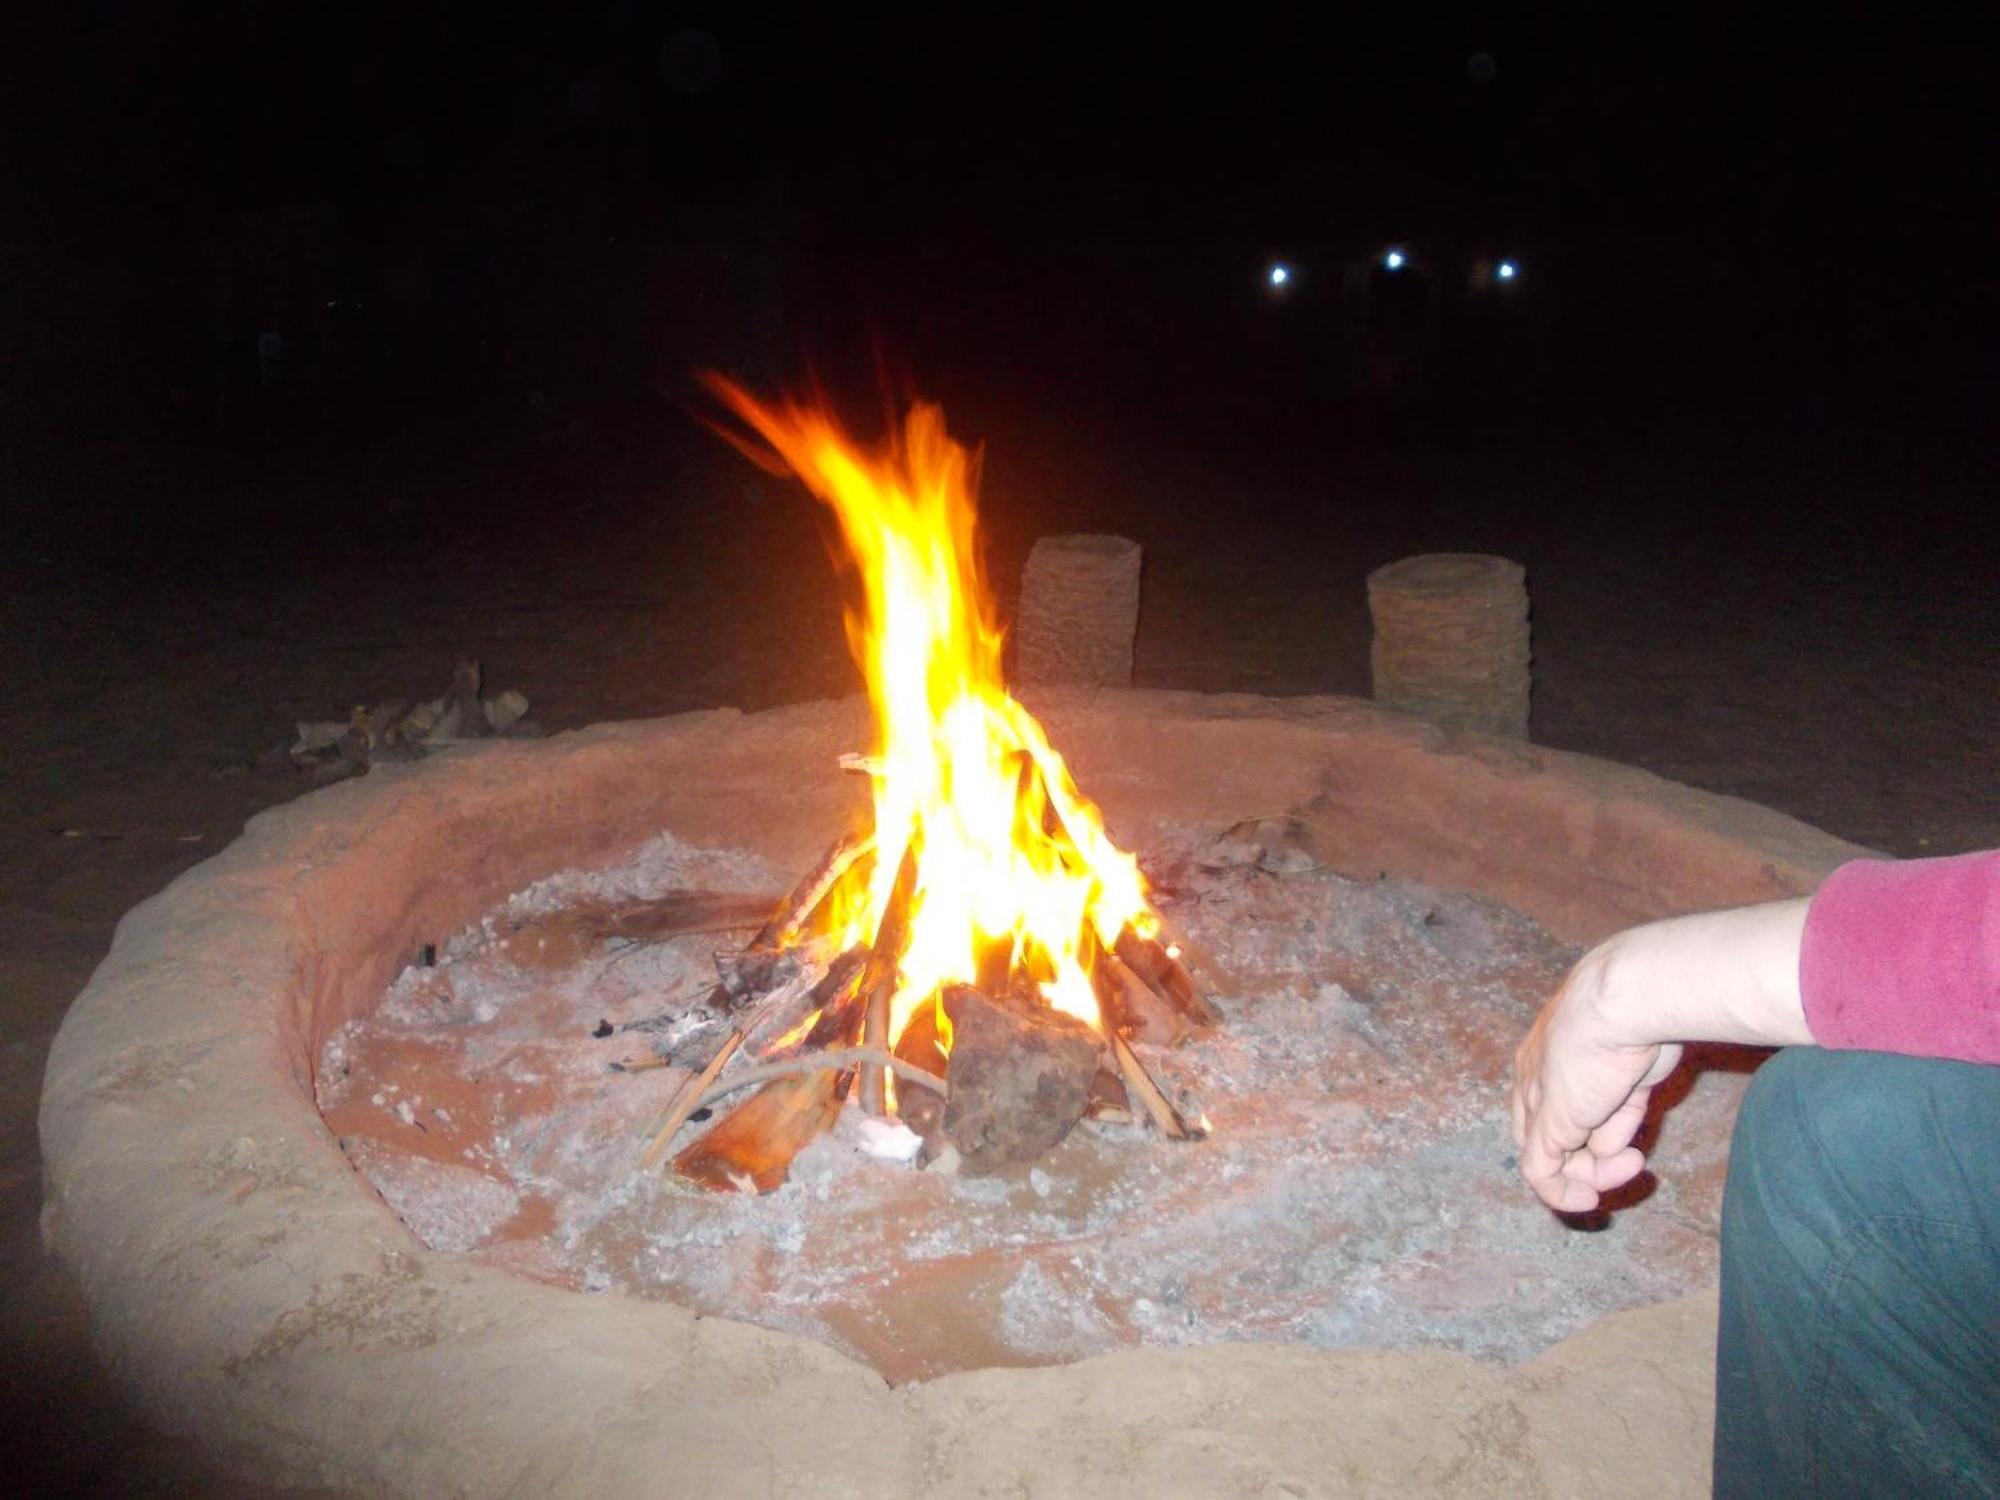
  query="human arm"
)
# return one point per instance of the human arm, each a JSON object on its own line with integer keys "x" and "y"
{"x": 1588, "y": 1066}
{"x": 1897, "y": 956}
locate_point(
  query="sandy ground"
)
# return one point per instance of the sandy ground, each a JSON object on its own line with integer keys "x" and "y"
{"x": 1701, "y": 615}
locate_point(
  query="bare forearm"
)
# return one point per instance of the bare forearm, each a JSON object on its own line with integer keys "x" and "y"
{"x": 1584, "y": 1073}
{"x": 1720, "y": 976}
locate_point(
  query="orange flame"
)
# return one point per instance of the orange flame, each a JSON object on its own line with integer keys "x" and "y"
{"x": 1003, "y": 857}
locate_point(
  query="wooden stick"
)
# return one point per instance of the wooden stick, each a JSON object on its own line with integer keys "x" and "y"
{"x": 757, "y": 1140}
{"x": 1139, "y": 1082}
{"x": 835, "y": 1058}
{"x": 639, "y": 1064}
{"x": 813, "y": 888}
{"x": 665, "y": 1124}
{"x": 681, "y": 913}
{"x": 1198, "y": 957}
{"x": 1134, "y": 1007}
{"x": 879, "y": 982}
{"x": 751, "y": 1148}
{"x": 688, "y": 1100}
{"x": 804, "y": 899}
{"x": 875, "y": 1047}
{"x": 1164, "y": 976}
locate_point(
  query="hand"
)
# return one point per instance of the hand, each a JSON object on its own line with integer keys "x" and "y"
{"x": 1579, "y": 1096}
{"x": 1584, "y": 1074}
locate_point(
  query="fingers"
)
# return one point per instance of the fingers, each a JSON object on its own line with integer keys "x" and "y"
{"x": 1522, "y": 1101}
{"x": 1545, "y": 1155}
{"x": 1574, "y": 1109}
{"x": 1616, "y": 1133}
{"x": 1568, "y": 1164}
{"x": 1578, "y": 1179}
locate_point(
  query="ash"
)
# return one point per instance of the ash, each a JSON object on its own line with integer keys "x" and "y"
{"x": 1358, "y": 1188}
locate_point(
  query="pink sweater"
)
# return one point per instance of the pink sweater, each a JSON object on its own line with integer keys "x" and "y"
{"x": 1904, "y": 956}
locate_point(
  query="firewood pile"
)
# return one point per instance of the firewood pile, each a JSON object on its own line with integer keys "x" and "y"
{"x": 987, "y": 1075}
{"x": 399, "y": 729}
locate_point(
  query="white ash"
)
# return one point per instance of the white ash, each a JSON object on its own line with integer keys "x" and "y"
{"x": 1359, "y": 1186}
{"x": 449, "y": 1208}
{"x": 660, "y": 866}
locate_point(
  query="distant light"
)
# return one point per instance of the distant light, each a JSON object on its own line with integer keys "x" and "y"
{"x": 1394, "y": 260}
{"x": 1281, "y": 275}
{"x": 1506, "y": 270}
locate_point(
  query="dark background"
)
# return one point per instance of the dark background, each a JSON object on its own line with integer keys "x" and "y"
{"x": 475, "y": 225}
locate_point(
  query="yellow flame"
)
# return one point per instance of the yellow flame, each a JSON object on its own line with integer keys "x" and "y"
{"x": 1001, "y": 857}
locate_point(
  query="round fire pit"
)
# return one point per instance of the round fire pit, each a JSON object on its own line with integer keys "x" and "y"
{"x": 258, "y": 1295}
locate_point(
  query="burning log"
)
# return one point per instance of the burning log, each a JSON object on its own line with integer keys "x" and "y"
{"x": 1021, "y": 1075}
{"x": 825, "y": 996}
{"x": 835, "y": 990}
{"x": 1146, "y": 957}
{"x": 922, "y": 1111}
{"x": 689, "y": 1098}
{"x": 765, "y": 965}
{"x": 751, "y": 1149}
{"x": 1163, "y": 975}
{"x": 757, "y": 1140}
{"x": 806, "y": 898}
{"x": 1139, "y": 1083}
{"x": 878, "y": 981}
{"x": 766, "y": 961}
{"x": 1132, "y": 1009}
{"x": 874, "y": 1038}
{"x": 1197, "y": 959}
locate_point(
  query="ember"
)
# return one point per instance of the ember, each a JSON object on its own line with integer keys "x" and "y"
{"x": 987, "y": 886}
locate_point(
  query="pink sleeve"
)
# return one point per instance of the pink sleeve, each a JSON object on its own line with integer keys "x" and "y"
{"x": 1904, "y": 956}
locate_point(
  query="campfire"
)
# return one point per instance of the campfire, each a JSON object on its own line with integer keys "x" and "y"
{"x": 972, "y": 970}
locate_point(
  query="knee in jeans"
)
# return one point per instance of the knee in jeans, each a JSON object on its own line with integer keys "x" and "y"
{"x": 1855, "y": 1132}
{"x": 1780, "y": 1119}
{"x": 1799, "y": 1137}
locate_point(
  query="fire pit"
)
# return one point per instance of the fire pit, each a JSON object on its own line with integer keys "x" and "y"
{"x": 257, "y": 1293}
{"x": 1048, "y": 1198}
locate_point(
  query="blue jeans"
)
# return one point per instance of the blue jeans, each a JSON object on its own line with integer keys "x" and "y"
{"x": 1859, "y": 1347}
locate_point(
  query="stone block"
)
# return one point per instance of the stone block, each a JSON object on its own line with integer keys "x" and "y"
{"x": 1079, "y": 611}
{"x": 1451, "y": 641}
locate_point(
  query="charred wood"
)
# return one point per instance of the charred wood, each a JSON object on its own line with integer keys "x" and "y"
{"x": 1162, "y": 973}
{"x": 757, "y": 1140}
{"x": 1132, "y": 1009}
{"x": 1020, "y": 1076}
{"x": 805, "y": 899}
{"x": 751, "y": 1148}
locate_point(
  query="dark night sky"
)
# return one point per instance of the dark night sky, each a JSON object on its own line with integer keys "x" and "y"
{"x": 531, "y": 186}
{"x": 1596, "y": 120}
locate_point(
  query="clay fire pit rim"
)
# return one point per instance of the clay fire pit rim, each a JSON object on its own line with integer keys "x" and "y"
{"x": 255, "y": 1293}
